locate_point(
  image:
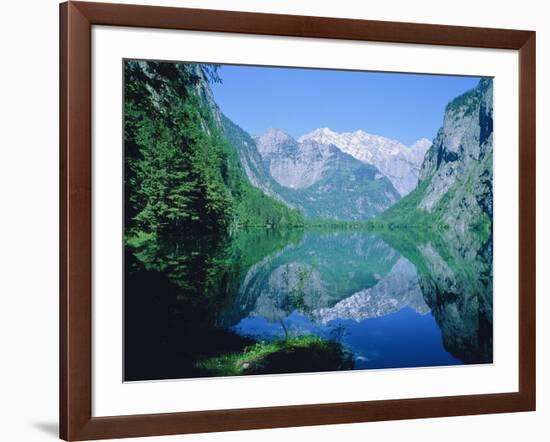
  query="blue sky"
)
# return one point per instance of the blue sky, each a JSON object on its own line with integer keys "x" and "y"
{"x": 404, "y": 107}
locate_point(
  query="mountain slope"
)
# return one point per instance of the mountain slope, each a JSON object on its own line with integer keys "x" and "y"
{"x": 318, "y": 179}
{"x": 323, "y": 181}
{"x": 456, "y": 179}
{"x": 399, "y": 163}
{"x": 182, "y": 176}
{"x": 292, "y": 164}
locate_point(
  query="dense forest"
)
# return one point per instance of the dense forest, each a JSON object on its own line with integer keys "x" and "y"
{"x": 182, "y": 176}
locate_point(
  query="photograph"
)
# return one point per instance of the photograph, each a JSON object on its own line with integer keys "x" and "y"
{"x": 283, "y": 220}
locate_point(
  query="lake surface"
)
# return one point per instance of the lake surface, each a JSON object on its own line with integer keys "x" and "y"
{"x": 421, "y": 301}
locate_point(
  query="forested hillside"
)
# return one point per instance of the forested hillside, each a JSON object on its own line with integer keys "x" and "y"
{"x": 182, "y": 176}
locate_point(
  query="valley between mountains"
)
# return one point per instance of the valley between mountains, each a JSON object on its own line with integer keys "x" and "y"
{"x": 254, "y": 254}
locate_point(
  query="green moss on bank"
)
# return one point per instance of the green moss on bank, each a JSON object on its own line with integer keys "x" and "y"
{"x": 292, "y": 355}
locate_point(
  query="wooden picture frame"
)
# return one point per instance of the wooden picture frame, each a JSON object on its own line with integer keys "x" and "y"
{"x": 76, "y": 21}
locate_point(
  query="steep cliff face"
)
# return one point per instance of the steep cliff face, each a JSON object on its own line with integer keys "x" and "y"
{"x": 459, "y": 165}
{"x": 322, "y": 181}
{"x": 455, "y": 188}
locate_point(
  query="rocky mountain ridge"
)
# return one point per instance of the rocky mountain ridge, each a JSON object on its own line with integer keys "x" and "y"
{"x": 293, "y": 164}
{"x": 323, "y": 181}
{"x": 401, "y": 164}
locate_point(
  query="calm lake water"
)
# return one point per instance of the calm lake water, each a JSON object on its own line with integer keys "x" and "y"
{"x": 421, "y": 301}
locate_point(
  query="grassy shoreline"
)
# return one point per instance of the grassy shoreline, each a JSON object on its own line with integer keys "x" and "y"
{"x": 300, "y": 354}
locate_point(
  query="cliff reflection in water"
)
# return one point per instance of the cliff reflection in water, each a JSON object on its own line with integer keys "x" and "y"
{"x": 388, "y": 300}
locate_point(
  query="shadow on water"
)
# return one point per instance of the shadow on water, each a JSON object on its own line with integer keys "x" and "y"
{"x": 176, "y": 290}
{"x": 220, "y": 306}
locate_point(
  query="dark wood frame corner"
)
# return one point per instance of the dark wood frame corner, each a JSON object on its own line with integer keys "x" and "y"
{"x": 76, "y": 20}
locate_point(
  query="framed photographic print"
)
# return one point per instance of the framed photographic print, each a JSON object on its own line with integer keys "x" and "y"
{"x": 273, "y": 220}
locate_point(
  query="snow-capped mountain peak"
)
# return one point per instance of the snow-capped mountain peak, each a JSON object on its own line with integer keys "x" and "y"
{"x": 322, "y": 180}
{"x": 401, "y": 164}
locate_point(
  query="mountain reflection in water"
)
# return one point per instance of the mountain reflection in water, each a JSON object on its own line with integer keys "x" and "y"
{"x": 389, "y": 299}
